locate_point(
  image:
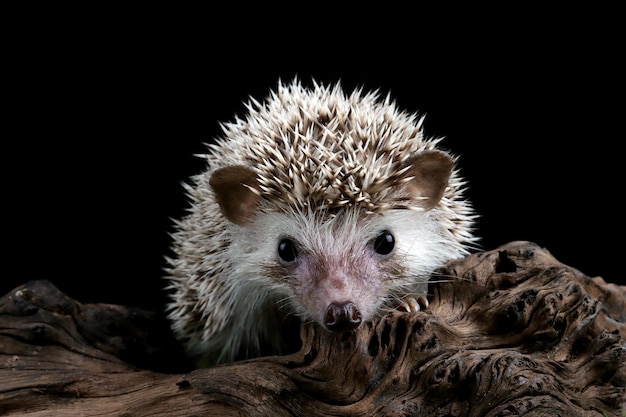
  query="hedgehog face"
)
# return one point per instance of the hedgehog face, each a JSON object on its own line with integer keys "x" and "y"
{"x": 338, "y": 259}
{"x": 342, "y": 269}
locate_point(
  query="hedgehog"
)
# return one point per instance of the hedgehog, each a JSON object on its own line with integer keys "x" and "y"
{"x": 320, "y": 206}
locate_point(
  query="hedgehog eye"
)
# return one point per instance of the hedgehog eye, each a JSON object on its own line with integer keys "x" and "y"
{"x": 384, "y": 243}
{"x": 287, "y": 250}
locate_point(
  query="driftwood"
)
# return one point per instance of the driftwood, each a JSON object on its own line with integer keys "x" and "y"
{"x": 508, "y": 332}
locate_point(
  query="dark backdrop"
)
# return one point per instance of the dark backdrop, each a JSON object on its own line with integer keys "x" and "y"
{"x": 106, "y": 114}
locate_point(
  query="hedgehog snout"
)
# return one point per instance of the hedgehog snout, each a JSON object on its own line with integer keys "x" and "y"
{"x": 342, "y": 317}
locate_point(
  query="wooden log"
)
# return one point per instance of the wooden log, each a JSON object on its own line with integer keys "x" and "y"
{"x": 510, "y": 331}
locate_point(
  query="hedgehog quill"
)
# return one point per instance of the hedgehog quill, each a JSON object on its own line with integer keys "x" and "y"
{"x": 317, "y": 206}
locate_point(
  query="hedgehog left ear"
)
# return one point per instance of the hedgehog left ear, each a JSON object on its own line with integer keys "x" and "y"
{"x": 430, "y": 172}
{"x": 233, "y": 193}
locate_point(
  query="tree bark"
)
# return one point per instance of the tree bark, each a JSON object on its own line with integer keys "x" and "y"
{"x": 510, "y": 331}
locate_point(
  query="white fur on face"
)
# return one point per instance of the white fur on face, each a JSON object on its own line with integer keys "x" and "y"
{"x": 336, "y": 260}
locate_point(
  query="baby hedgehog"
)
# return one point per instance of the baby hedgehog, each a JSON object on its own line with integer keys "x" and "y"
{"x": 318, "y": 206}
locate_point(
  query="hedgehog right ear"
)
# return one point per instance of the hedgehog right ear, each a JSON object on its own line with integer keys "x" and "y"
{"x": 233, "y": 193}
{"x": 430, "y": 173}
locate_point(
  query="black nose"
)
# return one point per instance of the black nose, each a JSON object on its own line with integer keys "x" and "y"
{"x": 342, "y": 317}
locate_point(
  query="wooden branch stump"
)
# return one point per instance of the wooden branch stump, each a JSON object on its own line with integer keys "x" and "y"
{"x": 508, "y": 332}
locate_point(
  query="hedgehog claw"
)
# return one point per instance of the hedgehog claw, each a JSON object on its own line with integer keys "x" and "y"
{"x": 412, "y": 304}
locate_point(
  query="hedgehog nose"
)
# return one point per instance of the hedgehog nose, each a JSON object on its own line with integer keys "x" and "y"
{"x": 342, "y": 317}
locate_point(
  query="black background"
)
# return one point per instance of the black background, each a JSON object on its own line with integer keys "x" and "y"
{"x": 106, "y": 111}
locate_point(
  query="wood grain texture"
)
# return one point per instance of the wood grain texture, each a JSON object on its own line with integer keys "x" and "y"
{"x": 510, "y": 331}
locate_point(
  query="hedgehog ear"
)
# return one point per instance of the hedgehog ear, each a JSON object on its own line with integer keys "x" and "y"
{"x": 429, "y": 172}
{"x": 233, "y": 193}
